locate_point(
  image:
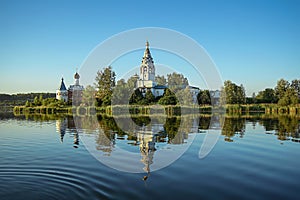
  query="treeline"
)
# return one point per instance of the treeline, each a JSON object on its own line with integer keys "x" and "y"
{"x": 48, "y": 102}
{"x": 283, "y": 94}
{"x": 20, "y": 99}
{"x": 178, "y": 91}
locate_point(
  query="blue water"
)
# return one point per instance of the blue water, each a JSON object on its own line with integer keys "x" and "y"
{"x": 46, "y": 159}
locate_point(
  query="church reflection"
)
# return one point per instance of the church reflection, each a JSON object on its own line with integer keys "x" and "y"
{"x": 149, "y": 135}
{"x": 147, "y": 140}
{"x": 67, "y": 125}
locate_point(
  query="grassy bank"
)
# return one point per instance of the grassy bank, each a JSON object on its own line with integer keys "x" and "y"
{"x": 155, "y": 109}
{"x": 263, "y": 108}
{"x": 116, "y": 110}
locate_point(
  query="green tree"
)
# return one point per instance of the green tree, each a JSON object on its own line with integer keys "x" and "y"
{"x": 160, "y": 80}
{"x": 296, "y": 86}
{"x": 289, "y": 98}
{"x": 41, "y": 99}
{"x": 266, "y": 96}
{"x": 121, "y": 93}
{"x": 232, "y": 93}
{"x": 241, "y": 94}
{"x": 27, "y": 104}
{"x": 281, "y": 88}
{"x": 131, "y": 82}
{"x": 136, "y": 97}
{"x": 36, "y": 101}
{"x": 149, "y": 97}
{"x": 184, "y": 96}
{"x": 204, "y": 97}
{"x": 177, "y": 82}
{"x": 168, "y": 98}
{"x": 88, "y": 96}
{"x": 105, "y": 82}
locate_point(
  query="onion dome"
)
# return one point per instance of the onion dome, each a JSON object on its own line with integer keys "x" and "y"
{"x": 76, "y": 76}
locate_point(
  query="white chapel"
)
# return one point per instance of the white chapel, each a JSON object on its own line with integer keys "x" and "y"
{"x": 146, "y": 79}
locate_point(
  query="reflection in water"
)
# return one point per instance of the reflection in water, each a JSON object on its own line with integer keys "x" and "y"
{"x": 64, "y": 124}
{"x": 147, "y": 135}
{"x": 285, "y": 127}
{"x": 233, "y": 126}
{"x": 147, "y": 147}
{"x": 61, "y": 126}
{"x": 144, "y": 135}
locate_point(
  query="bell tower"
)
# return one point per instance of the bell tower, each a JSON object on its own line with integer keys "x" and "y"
{"x": 147, "y": 69}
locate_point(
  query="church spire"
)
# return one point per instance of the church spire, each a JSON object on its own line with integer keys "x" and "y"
{"x": 147, "y": 55}
{"x": 147, "y": 69}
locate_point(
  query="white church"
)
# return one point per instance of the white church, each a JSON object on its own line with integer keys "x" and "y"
{"x": 147, "y": 75}
{"x": 73, "y": 93}
{"x": 146, "y": 79}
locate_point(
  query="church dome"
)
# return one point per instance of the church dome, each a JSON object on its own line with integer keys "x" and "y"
{"x": 76, "y": 76}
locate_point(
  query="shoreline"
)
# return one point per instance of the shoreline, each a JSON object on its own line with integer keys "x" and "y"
{"x": 176, "y": 110}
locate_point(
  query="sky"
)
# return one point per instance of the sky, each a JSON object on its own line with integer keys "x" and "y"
{"x": 251, "y": 42}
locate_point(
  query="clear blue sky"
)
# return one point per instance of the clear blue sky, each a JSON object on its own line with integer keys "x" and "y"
{"x": 252, "y": 42}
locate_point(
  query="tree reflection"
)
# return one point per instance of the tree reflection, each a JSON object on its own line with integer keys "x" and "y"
{"x": 204, "y": 122}
{"x": 288, "y": 127}
{"x": 233, "y": 126}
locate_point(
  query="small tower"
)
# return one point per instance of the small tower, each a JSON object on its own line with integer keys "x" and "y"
{"x": 75, "y": 91}
{"x": 62, "y": 92}
{"x": 76, "y": 77}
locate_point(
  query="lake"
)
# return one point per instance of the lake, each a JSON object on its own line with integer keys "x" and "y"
{"x": 61, "y": 157}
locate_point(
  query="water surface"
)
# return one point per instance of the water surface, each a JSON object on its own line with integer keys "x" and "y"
{"x": 43, "y": 157}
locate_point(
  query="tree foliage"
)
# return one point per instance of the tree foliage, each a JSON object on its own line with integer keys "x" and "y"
{"x": 177, "y": 82}
{"x": 204, "y": 97}
{"x": 88, "y": 96}
{"x": 149, "y": 97}
{"x": 286, "y": 93}
{"x": 232, "y": 93}
{"x": 184, "y": 96}
{"x": 266, "y": 96}
{"x": 136, "y": 97}
{"x": 160, "y": 80}
{"x": 168, "y": 98}
{"x": 105, "y": 83}
{"x": 281, "y": 87}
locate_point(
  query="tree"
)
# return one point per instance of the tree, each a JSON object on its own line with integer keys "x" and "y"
{"x": 281, "y": 88}
{"x": 36, "y": 101}
{"x": 149, "y": 97}
{"x": 290, "y": 98}
{"x": 121, "y": 93}
{"x": 296, "y": 86}
{"x": 232, "y": 93}
{"x": 204, "y": 97}
{"x": 27, "y": 104}
{"x": 160, "y": 80}
{"x": 184, "y": 96}
{"x": 177, "y": 82}
{"x": 136, "y": 97}
{"x": 131, "y": 82}
{"x": 105, "y": 82}
{"x": 88, "y": 96}
{"x": 241, "y": 94}
{"x": 266, "y": 96}
{"x": 168, "y": 98}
